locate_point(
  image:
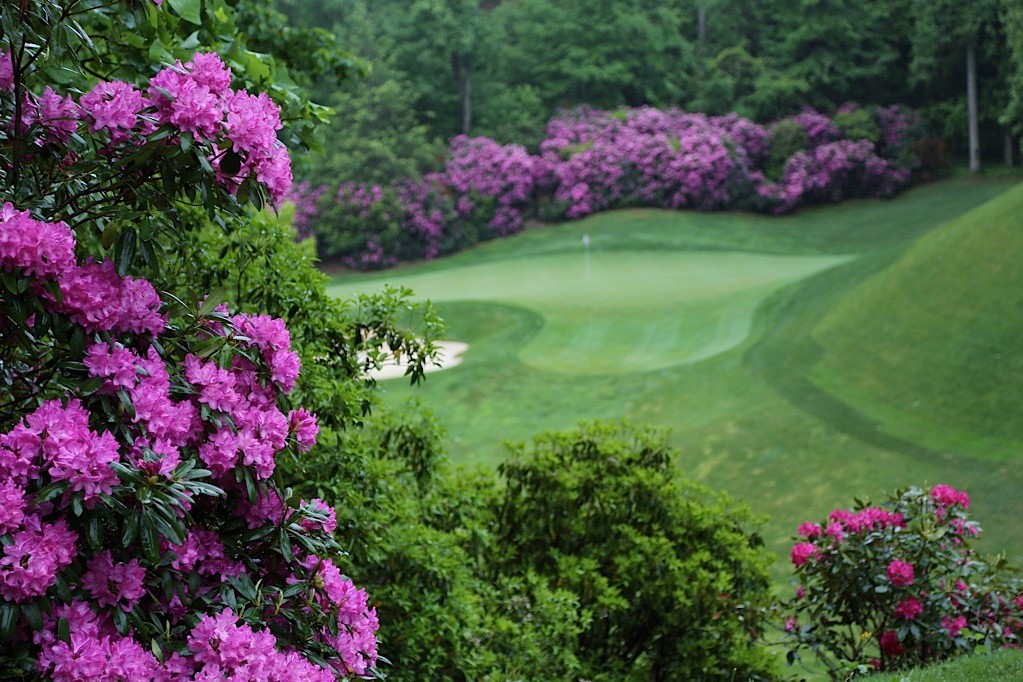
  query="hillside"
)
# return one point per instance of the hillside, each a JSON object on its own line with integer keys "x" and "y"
{"x": 931, "y": 347}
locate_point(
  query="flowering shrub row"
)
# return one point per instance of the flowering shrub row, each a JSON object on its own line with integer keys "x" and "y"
{"x": 897, "y": 586}
{"x": 595, "y": 160}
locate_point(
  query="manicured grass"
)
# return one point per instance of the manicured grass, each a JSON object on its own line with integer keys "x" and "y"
{"x": 747, "y": 414}
{"x": 931, "y": 347}
{"x": 632, "y": 311}
{"x": 1003, "y": 666}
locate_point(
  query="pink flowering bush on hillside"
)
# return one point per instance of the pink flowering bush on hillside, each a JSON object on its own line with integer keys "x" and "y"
{"x": 145, "y": 530}
{"x": 897, "y": 586}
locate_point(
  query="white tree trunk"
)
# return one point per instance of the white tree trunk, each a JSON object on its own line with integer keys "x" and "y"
{"x": 971, "y": 107}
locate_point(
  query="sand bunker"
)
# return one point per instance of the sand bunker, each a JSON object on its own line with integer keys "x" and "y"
{"x": 449, "y": 354}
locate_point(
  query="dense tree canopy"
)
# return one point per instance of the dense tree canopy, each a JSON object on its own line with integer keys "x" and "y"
{"x": 503, "y": 68}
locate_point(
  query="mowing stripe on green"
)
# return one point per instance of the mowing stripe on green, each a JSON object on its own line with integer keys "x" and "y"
{"x": 609, "y": 312}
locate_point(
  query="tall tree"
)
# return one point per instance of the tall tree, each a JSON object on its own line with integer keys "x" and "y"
{"x": 1012, "y": 19}
{"x": 840, "y": 48}
{"x": 945, "y": 29}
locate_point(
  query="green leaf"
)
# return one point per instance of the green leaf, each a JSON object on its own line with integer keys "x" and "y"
{"x": 286, "y": 550}
{"x": 94, "y": 532}
{"x": 77, "y": 345}
{"x": 150, "y": 542}
{"x": 127, "y": 242}
{"x": 215, "y": 298}
{"x": 189, "y": 10}
{"x": 131, "y": 529}
{"x": 33, "y": 615}
{"x": 8, "y": 619}
{"x": 231, "y": 164}
{"x": 109, "y": 234}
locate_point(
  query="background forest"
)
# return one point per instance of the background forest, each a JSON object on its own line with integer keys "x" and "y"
{"x": 503, "y": 68}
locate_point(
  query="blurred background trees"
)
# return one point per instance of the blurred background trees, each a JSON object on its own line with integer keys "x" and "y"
{"x": 501, "y": 68}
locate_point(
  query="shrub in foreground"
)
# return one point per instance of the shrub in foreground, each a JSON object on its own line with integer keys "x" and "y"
{"x": 897, "y": 586}
{"x": 668, "y": 576}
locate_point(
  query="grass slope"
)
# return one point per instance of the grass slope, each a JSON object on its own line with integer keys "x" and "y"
{"x": 748, "y": 419}
{"x": 1002, "y": 665}
{"x": 932, "y": 347}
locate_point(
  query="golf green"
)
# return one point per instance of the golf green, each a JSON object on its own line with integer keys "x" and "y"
{"x": 609, "y": 312}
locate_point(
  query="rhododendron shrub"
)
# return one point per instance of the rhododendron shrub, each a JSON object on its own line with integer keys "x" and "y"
{"x": 482, "y": 193}
{"x": 145, "y": 530}
{"x": 650, "y": 157}
{"x": 595, "y": 160}
{"x": 898, "y": 585}
{"x": 142, "y": 515}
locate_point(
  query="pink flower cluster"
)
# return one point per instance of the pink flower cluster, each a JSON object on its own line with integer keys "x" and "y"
{"x": 222, "y": 647}
{"x": 649, "y": 157}
{"x": 819, "y": 128}
{"x": 803, "y": 552}
{"x": 356, "y": 620}
{"x": 192, "y": 98}
{"x": 832, "y": 172}
{"x": 304, "y": 196}
{"x": 6, "y": 71}
{"x": 909, "y": 608}
{"x": 947, "y": 496}
{"x": 37, "y": 552}
{"x": 92, "y": 294}
{"x": 908, "y": 567}
{"x": 596, "y": 160}
{"x": 841, "y": 523}
{"x": 196, "y": 98}
{"x": 900, "y": 573}
{"x": 481, "y": 168}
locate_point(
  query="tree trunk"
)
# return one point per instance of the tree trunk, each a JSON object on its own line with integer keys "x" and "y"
{"x": 463, "y": 79}
{"x": 701, "y": 24}
{"x": 467, "y": 97}
{"x": 971, "y": 107}
{"x": 1009, "y": 144}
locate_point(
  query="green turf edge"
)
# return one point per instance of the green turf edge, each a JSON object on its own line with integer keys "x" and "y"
{"x": 982, "y": 667}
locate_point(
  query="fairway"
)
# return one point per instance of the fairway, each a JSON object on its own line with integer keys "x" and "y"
{"x": 609, "y": 312}
{"x": 712, "y": 324}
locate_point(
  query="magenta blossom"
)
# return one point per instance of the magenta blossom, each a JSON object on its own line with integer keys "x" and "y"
{"x": 803, "y": 552}
{"x": 909, "y": 608}
{"x": 900, "y": 573}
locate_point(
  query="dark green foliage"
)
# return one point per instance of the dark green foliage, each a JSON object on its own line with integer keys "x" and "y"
{"x": 857, "y": 124}
{"x": 668, "y": 576}
{"x": 343, "y": 229}
{"x": 787, "y": 138}
{"x": 1012, "y": 18}
{"x": 420, "y": 539}
{"x": 376, "y": 135}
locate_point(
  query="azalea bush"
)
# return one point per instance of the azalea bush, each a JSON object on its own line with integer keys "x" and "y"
{"x": 594, "y": 160}
{"x": 898, "y": 585}
{"x": 145, "y": 530}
